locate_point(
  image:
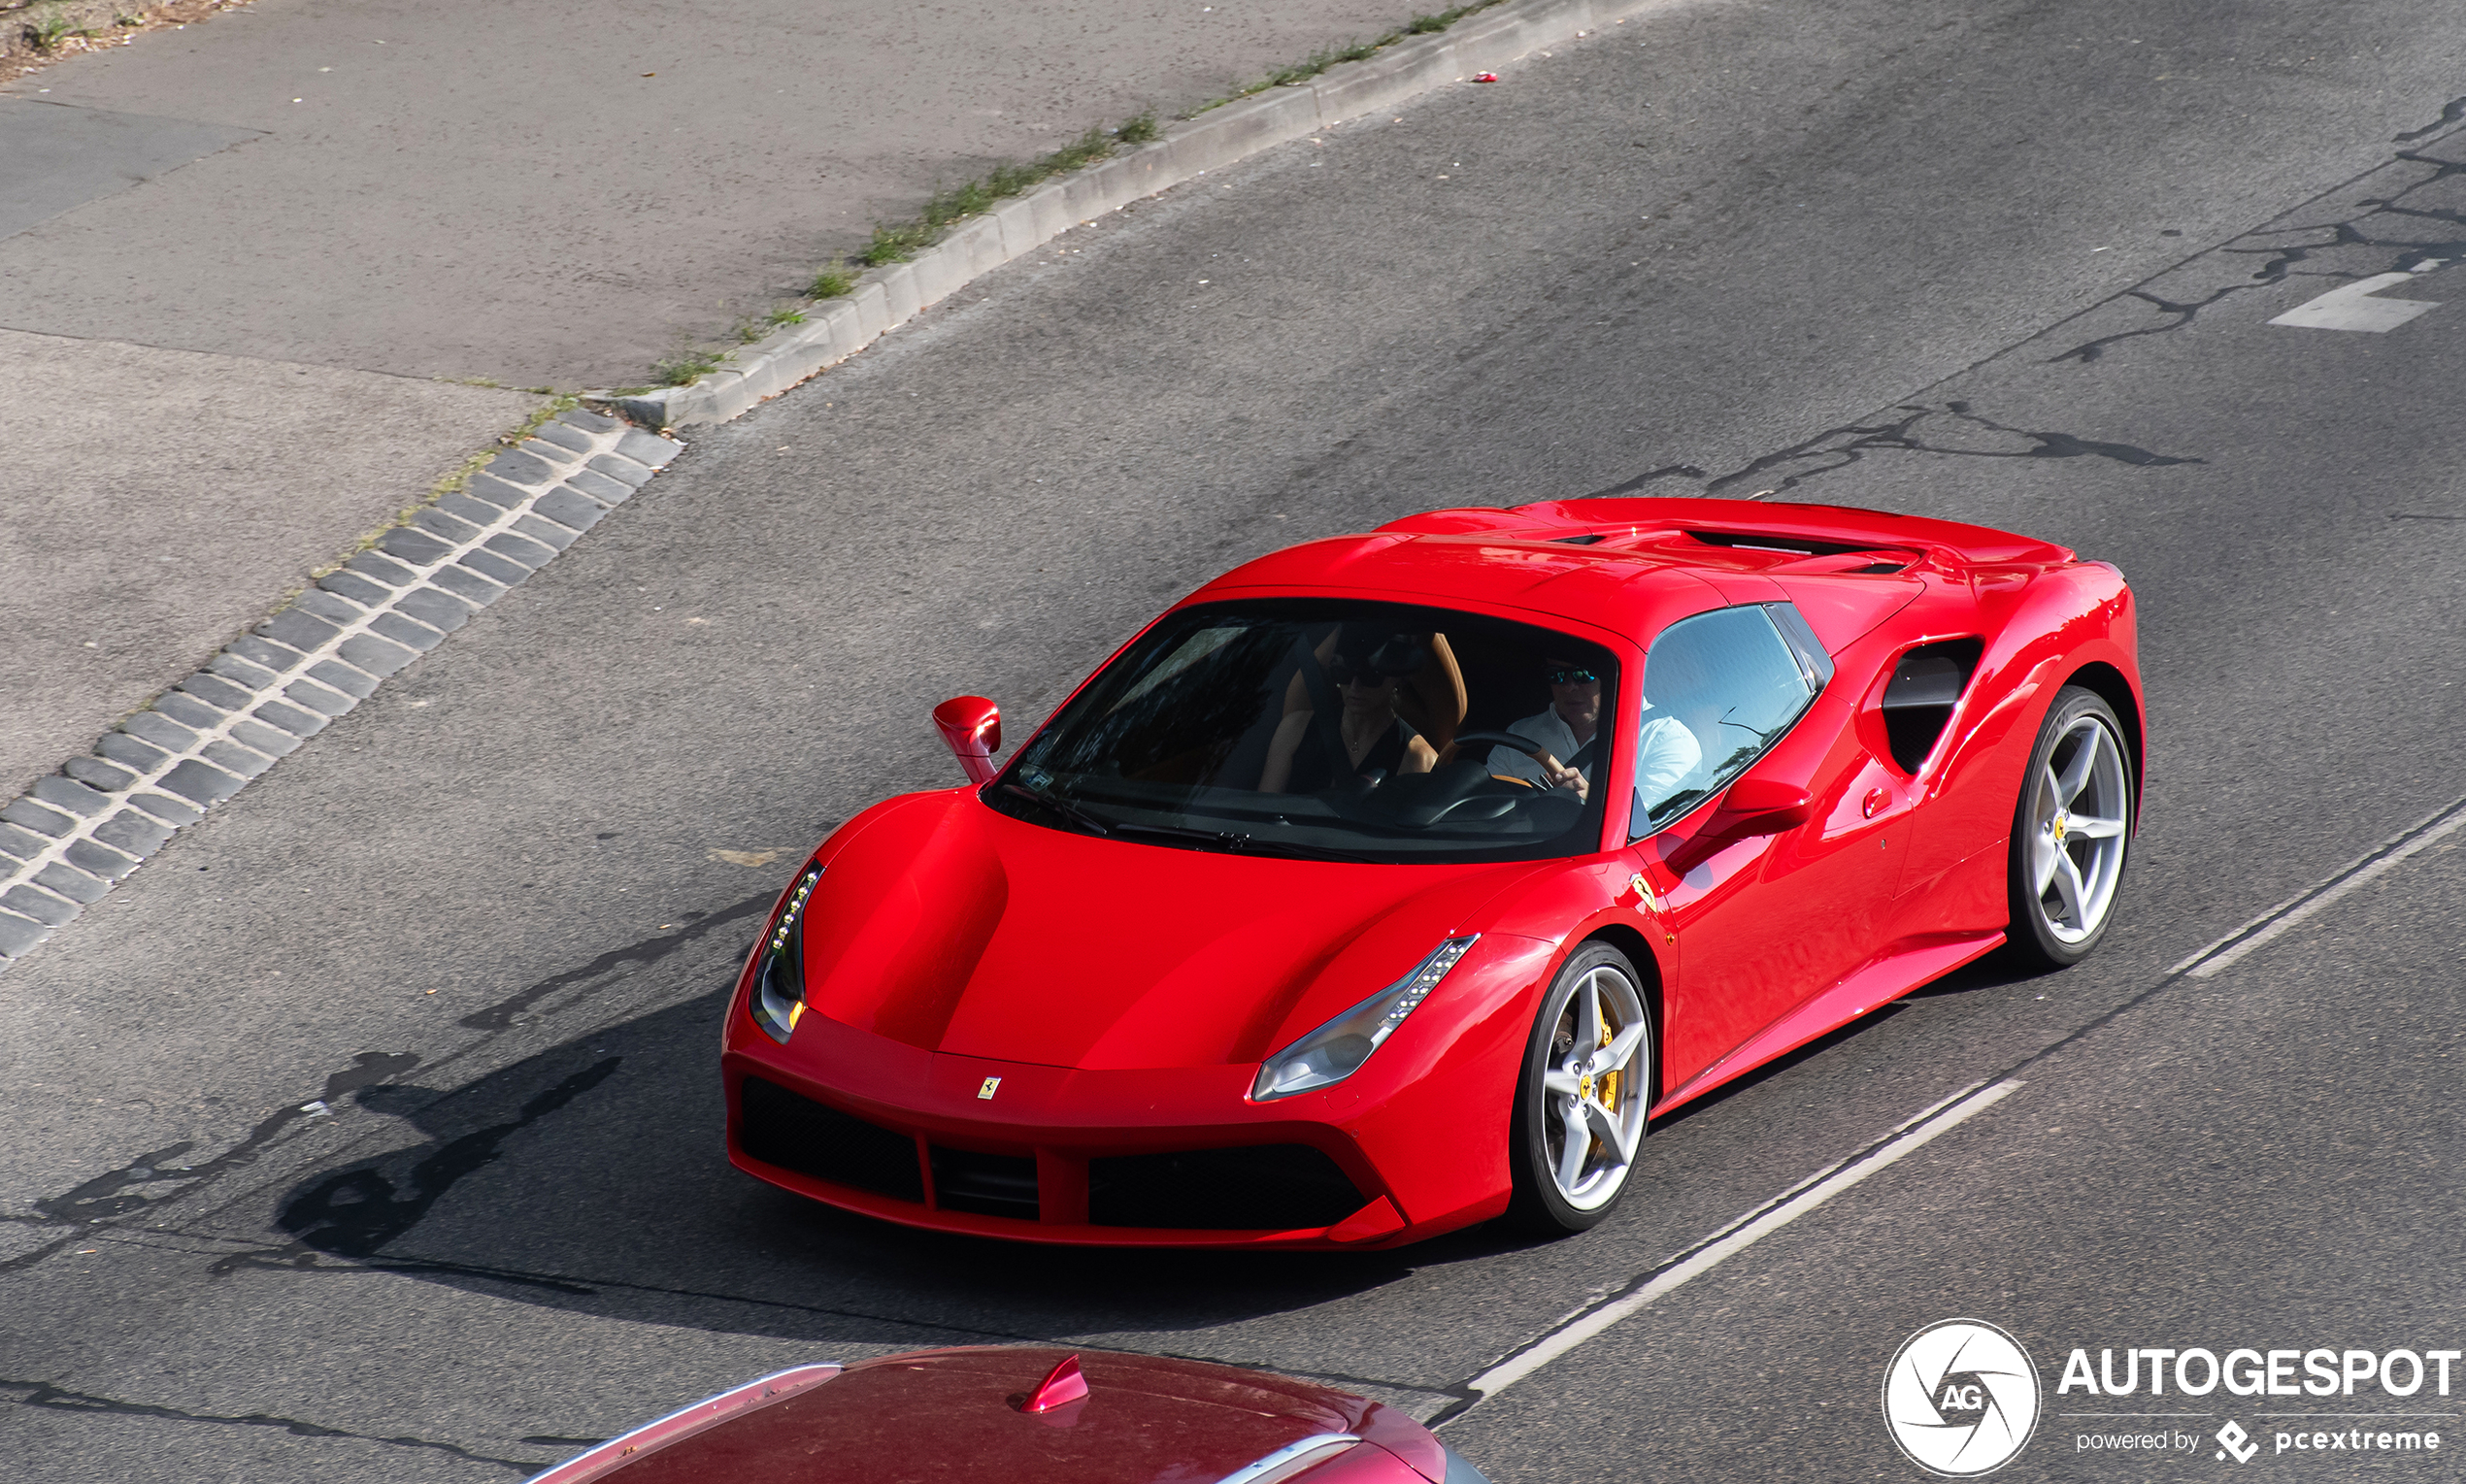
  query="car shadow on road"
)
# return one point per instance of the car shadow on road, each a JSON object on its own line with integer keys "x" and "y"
{"x": 592, "y": 1177}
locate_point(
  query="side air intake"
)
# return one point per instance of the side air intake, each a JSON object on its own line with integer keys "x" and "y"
{"x": 1918, "y": 701}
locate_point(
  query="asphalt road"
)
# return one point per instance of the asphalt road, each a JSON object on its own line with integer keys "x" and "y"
{"x": 1936, "y": 258}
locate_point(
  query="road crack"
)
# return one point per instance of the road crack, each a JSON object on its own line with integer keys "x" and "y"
{"x": 50, "y": 1396}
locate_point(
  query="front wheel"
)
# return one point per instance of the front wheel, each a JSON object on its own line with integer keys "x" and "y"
{"x": 1581, "y": 1100}
{"x": 2070, "y": 830}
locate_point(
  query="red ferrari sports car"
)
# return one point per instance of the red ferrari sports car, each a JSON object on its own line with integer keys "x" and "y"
{"x": 1394, "y": 882}
{"x": 984, "y": 1413}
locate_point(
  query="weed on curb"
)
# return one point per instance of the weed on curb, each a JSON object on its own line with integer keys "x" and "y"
{"x": 688, "y": 366}
{"x": 898, "y": 242}
{"x": 834, "y": 282}
{"x": 1359, "y": 51}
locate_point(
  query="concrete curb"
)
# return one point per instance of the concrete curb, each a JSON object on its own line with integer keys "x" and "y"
{"x": 836, "y": 329}
{"x": 74, "y": 833}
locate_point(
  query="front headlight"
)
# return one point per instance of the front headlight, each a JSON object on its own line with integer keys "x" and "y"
{"x": 779, "y": 985}
{"x": 1337, "y": 1049}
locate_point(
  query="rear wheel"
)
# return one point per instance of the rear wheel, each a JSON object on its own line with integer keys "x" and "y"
{"x": 1582, "y": 1100}
{"x": 2070, "y": 832}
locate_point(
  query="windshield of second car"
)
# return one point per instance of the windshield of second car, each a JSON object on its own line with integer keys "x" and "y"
{"x": 1355, "y": 731}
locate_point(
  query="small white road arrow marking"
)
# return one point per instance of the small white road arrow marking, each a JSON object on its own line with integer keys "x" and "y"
{"x": 2352, "y": 306}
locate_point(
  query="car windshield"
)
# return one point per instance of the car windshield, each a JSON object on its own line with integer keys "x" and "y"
{"x": 1331, "y": 730}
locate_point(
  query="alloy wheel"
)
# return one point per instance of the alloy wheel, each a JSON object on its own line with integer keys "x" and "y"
{"x": 1597, "y": 1088}
{"x": 2079, "y": 813}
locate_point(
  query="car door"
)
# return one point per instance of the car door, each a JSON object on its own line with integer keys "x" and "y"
{"x": 1768, "y": 909}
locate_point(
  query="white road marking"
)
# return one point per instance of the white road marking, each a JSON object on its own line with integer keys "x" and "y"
{"x": 1734, "y": 1239}
{"x": 2223, "y": 954}
{"x": 2351, "y": 307}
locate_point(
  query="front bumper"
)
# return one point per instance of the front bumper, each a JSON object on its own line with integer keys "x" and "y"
{"x": 1176, "y": 1157}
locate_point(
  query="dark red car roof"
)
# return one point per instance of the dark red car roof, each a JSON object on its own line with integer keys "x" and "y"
{"x": 947, "y": 1415}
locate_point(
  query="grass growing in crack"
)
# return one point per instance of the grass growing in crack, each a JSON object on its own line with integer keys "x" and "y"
{"x": 834, "y": 282}
{"x": 1359, "y": 51}
{"x": 452, "y": 482}
{"x": 896, "y": 242}
{"x": 48, "y": 33}
{"x": 688, "y": 366}
{"x": 749, "y": 329}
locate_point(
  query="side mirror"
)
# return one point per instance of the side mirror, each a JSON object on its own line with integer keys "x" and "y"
{"x": 1764, "y": 806}
{"x": 973, "y": 727}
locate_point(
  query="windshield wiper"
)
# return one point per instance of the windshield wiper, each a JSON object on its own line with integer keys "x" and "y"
{"x": 1062, "y": 806}
{"x": 1235, "y": 843}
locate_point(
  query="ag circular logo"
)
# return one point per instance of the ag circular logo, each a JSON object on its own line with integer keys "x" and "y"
{"x": 1961, "y": 1397}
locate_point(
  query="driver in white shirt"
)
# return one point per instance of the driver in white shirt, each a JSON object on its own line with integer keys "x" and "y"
{"x": 1667, "y": 750}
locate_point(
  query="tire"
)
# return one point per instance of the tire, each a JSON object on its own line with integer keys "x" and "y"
{"x": 1559, "y": 1193}
{"x": 2071, "y": 827}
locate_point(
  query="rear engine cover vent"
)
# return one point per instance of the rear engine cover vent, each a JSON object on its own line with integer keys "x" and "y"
{"x": 1919, "y": 698}
{"x": 1766, "y": 540}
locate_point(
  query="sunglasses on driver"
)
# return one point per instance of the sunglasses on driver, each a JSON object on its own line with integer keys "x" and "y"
{"x": 1343, "y": 671}
{"x": 1571, "y": 677}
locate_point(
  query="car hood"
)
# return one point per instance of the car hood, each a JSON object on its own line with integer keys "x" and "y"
{"x": 947, "y": 925}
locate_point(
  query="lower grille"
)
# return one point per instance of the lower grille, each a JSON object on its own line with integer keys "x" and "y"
{"x": 794, "y": 1133}
{"x": 987, "y": 1184}
{"x": 1257, "y": 1187}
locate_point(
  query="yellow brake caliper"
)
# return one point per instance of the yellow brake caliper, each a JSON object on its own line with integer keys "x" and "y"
{"x": 1609, "y": 1080}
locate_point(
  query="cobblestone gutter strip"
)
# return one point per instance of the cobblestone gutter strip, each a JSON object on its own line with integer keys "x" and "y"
{"x": 836, "y": 329}
{"x": 66, "y": 841}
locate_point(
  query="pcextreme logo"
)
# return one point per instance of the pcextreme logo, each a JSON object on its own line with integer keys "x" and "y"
{"x": 1961, "y": 1397}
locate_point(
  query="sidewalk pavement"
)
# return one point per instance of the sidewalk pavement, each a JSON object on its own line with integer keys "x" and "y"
{"x": 246, "y": 260}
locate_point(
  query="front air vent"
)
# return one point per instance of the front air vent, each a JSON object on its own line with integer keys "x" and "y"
{"x": 780, "y": 1128}
{"x": 1589, "y": 539}
{"x": 1257, "y": 1187}
{"x": 987, "y": 1184}
{"x": 1918, "y": 703}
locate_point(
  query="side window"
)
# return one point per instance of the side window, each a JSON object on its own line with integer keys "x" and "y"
{"x": 1718, "y": 689}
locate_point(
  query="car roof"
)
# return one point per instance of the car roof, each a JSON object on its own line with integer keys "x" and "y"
{"x": 942, "y": 1414}
{"x": 1632, "y": 566}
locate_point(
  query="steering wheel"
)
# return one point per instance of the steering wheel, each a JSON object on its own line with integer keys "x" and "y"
{"x": 1512, "y": 743}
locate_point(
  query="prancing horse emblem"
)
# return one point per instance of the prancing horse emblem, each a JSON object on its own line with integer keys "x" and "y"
{"x": 991, "y": 1085}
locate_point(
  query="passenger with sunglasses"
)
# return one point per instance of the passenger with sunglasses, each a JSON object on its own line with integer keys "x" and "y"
{"x": 1365, "y": 671}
